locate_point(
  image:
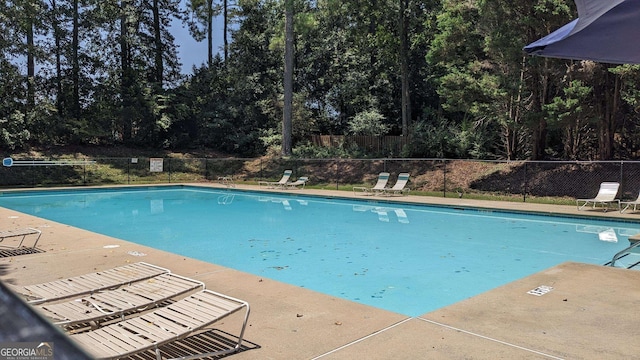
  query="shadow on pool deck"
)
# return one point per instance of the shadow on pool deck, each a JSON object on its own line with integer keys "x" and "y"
{"x": 589, "y": 313}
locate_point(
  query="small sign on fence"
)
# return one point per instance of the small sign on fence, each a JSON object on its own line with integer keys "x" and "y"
{"x": 155, "y": 164}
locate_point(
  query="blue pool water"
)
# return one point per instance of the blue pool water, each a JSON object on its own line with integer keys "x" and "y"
{"x": 410, "y": 259}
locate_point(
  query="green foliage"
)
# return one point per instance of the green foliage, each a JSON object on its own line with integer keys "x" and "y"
{"x": 108, "y": 73}
{"x": 368, "y": 122}
{"x": 441, "y": 138}
{"x": 13, "y": 131}
{"x": 630, "y": 77}
{"x": 271, "y": 140}
{"x": 310, "y": 151}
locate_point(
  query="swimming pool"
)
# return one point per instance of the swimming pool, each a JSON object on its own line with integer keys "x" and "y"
{"x": 410, "y": 259}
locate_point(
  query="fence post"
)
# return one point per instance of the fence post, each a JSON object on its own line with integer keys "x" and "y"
{"x": 336, "y": 173}
{"x": 444, "y": 178}
{"x": 622, "y": 177}
{"x": 524, "y": 193}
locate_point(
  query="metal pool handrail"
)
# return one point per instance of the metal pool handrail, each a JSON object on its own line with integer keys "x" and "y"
{"x": 620, "y": 253}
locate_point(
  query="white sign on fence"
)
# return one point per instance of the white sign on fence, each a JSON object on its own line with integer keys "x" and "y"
{"x": 155, "y": 164}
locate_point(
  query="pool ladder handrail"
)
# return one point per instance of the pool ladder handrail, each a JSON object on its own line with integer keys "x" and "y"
{"x": 620, "y": 253}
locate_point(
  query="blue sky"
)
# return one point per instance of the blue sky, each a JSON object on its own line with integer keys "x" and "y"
{"x": 191, "y": 52}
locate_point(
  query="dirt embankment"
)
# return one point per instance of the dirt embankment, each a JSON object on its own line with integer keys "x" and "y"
{"x": 553, "y": 179}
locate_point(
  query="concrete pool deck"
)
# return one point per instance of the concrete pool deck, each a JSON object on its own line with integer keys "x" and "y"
{"x": 589, "y": 313}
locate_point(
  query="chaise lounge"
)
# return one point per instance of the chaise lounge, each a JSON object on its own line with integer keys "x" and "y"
{"x": 606, "y": 196}
{"x": 383, "y": 179}
{"x": 111, "y": 304}
{"x": 277, "y": 184}
{"x": 175, "y": 322}
{"x": 628, "y": 204}
{"x": 88, "y": 283}
{"x": 302, "y": 181}
{"x": 400, "y": 187}
{"x": 20, "y": 234}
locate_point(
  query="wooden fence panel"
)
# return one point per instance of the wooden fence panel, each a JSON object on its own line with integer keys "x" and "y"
{"x": 376, "y": 144}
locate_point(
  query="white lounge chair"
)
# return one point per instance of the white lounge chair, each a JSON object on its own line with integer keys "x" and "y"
{"x": 151, "y": 330}
{"x": 606, "y": 196}
{"x": 277, "y": 184}
{"x": 383, "y": 179}
{"x": 21, "y": 235}
{"x": 300, "y": 182}
{"x": 88, "y": 283}
{"x": 628, "y": 204}
{"x": 226, "y": 180}
{"x": 110, "y": 304}
{"x": 400, "y": 187}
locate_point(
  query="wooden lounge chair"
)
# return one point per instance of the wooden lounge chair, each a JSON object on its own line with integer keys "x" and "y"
{"x": 278, "y": 184}
{"x": 89, "y": 283}
{"x": 383, "y": 178}
{"x": 400, "y": 187}
{"x": 151, "y": 330}
{"x": 21, "y": 234}
{"x": 606, "y": 196}
{"x": 110, "y": 304}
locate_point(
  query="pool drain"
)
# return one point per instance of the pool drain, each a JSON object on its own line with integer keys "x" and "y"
{"x": 540, "y": 290}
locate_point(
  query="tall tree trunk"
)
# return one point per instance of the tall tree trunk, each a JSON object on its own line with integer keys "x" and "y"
{"x": 608, "y": 111}
{"x": 159, "y": 48}
{"x": 31, "y": 63}
{"x": 75, "y": 62}
{"x": 373, "y": 24}
{"x": 209, "y": 33}
{"x": 512, "y": 128}
{"x": 225, "y": 30}
{"x": 125, "y": 80}
{"x": 404, "y": 67}
{"x": 55, "y": 24}
{"x": 539, "y": 130}
{"x": 288, "y": 80}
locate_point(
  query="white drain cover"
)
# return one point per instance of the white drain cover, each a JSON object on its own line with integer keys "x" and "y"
{"x": 540, "y": 290}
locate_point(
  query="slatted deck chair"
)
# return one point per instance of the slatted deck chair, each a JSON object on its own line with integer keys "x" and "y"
{"x": 149, "y": 331}
{"x": 88, "y": 283}
{"x": 21, "y": 235}
{"x": 128, "y": 299}
{"x": 383, "y": 179}
{"x": 278, "y": 184}
{"x": 605, "y": 197}
{"x": 400, "y": 187}
{"x": 300, "y": 182}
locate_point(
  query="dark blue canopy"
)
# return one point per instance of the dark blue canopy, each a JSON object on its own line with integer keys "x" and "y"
{"x": 605, "y": 31}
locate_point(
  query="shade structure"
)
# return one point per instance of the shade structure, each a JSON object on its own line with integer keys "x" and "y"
{"x": 605, "y": 31}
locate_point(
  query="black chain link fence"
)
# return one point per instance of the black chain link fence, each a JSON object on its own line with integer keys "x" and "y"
{"x": 515, "y": 180}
